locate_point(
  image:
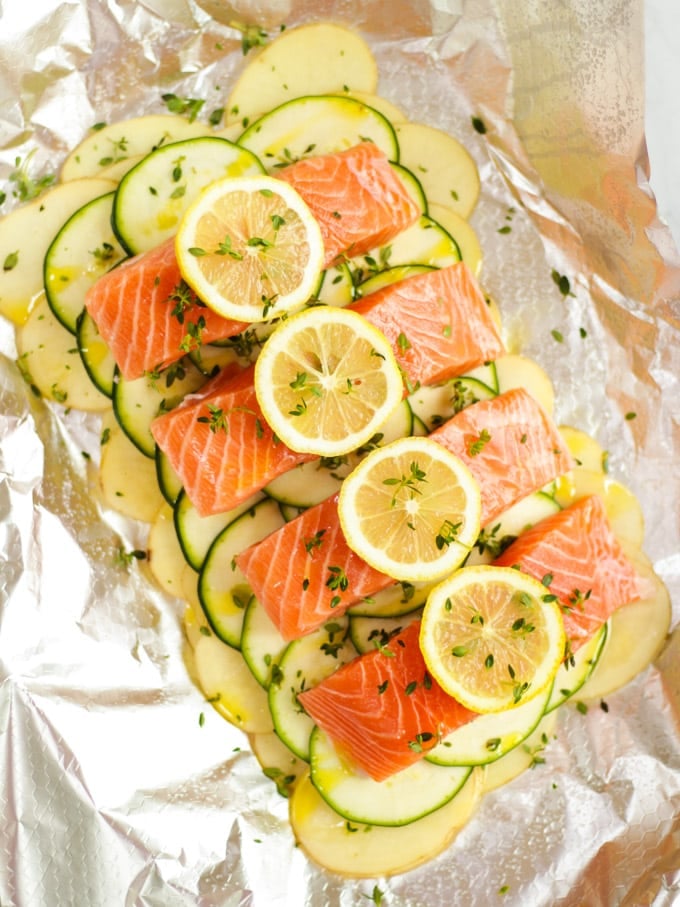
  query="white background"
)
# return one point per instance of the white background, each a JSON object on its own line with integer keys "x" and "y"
{"x": 662, "y": 91}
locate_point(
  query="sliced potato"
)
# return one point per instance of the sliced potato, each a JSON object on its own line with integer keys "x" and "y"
{"x": 382, "y": 105}
{"x": 50, "y": 362}
{"x": 25, "y": 236}
{"x": 126, "y": 477}
{"x": 521, "y": 371}
{"x": 623, "y": 508}
{"x": 587, "y": 452}
{"x": 328, "y": 58}
{"x": 122, "y": 141}
{"x": 278, "y": 763}
{"x": 165, "y": 557}
{"x": 365, "y": 851}
{"x": 445, "y": 168}
{"x": 637, "y": 632}
{"x": 521, "y": 757}
{"x": 462, "y": 232}
{"x": 226, "y": 680}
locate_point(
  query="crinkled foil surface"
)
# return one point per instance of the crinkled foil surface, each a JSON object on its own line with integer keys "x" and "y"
{"x": 112, "y": 792}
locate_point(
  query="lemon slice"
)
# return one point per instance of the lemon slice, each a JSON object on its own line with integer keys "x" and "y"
{"x": 326, "y": 380}
{"x": 492, "y": 637}
{"x": 411, "y": 509}
{"x": 250, "y": 248}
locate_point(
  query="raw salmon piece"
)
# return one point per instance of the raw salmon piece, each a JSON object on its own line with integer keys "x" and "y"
{"x": 510, "y": 445}
{"x": 305, "y": 573}
{"x": 133, "y": 304}
{"x": 383, "y": 710}
{"x": 437, "y": 322}
{"x": 220, "y": 445}
{"x": 575, "y": 553}
{"x": 355, "y": 196}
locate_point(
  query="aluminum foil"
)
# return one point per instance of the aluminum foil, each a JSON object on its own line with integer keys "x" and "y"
{"x": 113, "y": 790}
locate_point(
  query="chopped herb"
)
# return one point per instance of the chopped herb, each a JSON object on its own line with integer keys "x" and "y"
{"x": 26, "y": 187}
{"x": 416, "y": 475}
{"x": 215, "y": 117}
{"x": 562, "y": 282}
{"x": 447, "y": 534}
{"x": 476, "y": 447}
{"x": 189, "y": 107}
{"x": 417, "y": 744}
{"x": 504, "y": 230}
{"x": 478, "y": 125}
{"x": 11, "y": 261}
{"x": 383, "y": 686}
{"x": 105, "y": 252}
{"x": 411, "y": 688}
{"x": 459, "y": 651}
{"x": 557, "y": 335}
{"x": 337, "y": 579}
{"x": 581, "y": 707}
{"x": 315, "y": 541}
{"x": 403, "y": 342}
{"x": 630, "y": 416}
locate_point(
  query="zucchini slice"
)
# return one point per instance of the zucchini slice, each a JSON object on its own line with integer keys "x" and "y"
{"x": 136, "y": 403}
{"x": 405, "y": 797}
{"x": 25, "y": 236}
{"x": 169, "y": 482}
{"x": 423, "y": 243}
{"x": 437, "y": 403}
{"x": 370, "y": 851}
{"x": 316, "y": 124}
{"x": 222, "y": 587}
{"x": 154, "y": 194}
{"x": 488, "y": 737}
{"x": 83, "y": 250}
{"x": 576, "y": 670}
{"x": 314, "y": 481}
{"x": 96, "y": 356}
{"x": 305, "y": 663}
{"x": 261, "y": 643}
{"x": 196, "y": 533}
{"x": 394, "y": 601}
{"x": 367, "y": 633}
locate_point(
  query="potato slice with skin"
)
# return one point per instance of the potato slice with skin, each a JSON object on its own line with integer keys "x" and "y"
{"x": 50, "y": 362}
{"x": 127, "y": 478}
{"x": 228, "y": 684}
{"x": 637, "y": 632}
{"x": 445, "y": 168}
{"x": 121, "y": 141}
{"x": 382, "y": 105}
{"x": 623, "y": 508}
{"x": 587, "y": 452}
{"x": 26, "y": 233}
{"x": 364, "y": 851}
{"x": 462, "y": 232}
{"x": 329, "y": 58}
{"x": 521, "y": 757}
{"x": 521, "y": 371}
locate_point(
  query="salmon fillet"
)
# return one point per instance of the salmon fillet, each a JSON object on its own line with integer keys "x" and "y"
{"x": 383, "y": 710}
{"x": 437, "y": 322}
{"x": 138, "y": 311}
{"x": 575, "y": 553}
{"x": 220, "y": 445}
{"x": 356, "y": 198}
{"x": 305, "y": 573}
{"x": 510, "y": 445}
